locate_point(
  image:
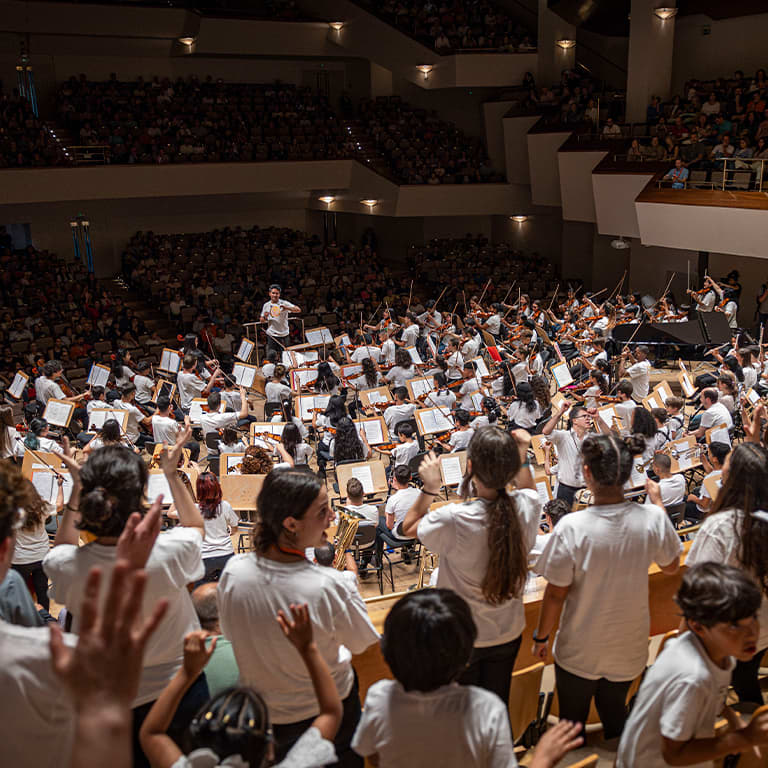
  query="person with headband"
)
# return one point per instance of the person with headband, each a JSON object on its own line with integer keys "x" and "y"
{"x": 596, "y": 564}
{"x": 568, "y": 444}
{"x": 275, "y": 313}
{"x": 484, "y": 545}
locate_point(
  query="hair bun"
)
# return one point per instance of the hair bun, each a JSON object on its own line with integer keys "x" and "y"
{"x": 635, "y": 444}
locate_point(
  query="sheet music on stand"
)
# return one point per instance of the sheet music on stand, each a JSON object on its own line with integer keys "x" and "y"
{"x": 363, "y": 473}
{"x": 450, "y": 465}
{"x": 302, "y": 377}
{"x": 47, "y": 485}
{"x": 347, "y": 371}
{"x": 157, "y": 483}
{"x": 413, "y": 352}
{"x": 433, "y": 420}
{"x": 170, "y": 361}
{"x": 480, "y": 367}
{"x": 318, "y": 336}
{"x": 718, "y": 434}
{"x": 544, "y": 490}
{"x": 58, "y": 412}
{"x": 98, "y": 376}
{"x": 477, "y": 401}
{"x": 98, "y": 416}
{"x": 420, "y": 386}
{"x": 245, "y": 350}
{"x": 307, "y": 402}
{"x": 562, "y": 374}
{"x": 18, "y": 385}
{"x": 244, "y": 374}
{"x": 374, "y": 431}
{"x": 293, "y": 359}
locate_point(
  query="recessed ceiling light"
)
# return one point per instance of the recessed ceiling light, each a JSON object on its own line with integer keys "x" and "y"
{"x": 566, "y": 43}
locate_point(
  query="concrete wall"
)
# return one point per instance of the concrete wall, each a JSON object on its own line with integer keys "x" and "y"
{"x": 614, "y": 196}
{"x": 493, "y": 113}
{"x": 543, "y": 167}
{"x": 516, "y": 143}
{"x": 575, "y": 169}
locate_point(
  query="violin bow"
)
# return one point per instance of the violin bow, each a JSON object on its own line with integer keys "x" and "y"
{"x": 482, "y": 295}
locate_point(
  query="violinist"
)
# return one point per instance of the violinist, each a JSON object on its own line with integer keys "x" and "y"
{"x": 492, "y": 323}
{"x": 525, "y": 411}
{"x": 489, "y": 416}
{"x": 122, "y": 374}
{"x": 639, "y": 370}
{"x": 706, "y": 297}
{"x": 471, "y": 340}
{"x": 268, "y": 369}
{"x": 348, "y": 444}
{"x": 275, "y": 390}
{"x": 275, "y": 313}
{"x": 212, "y": 421}
{"x": 403, "y": 369}
{"x": 469, "y": 386}
{"x": 144, "y": 386}
{"x": 402, "y": 410}
{"x": 728, "y": 305}
{"x": 136, "y": 417}
{"x": 363, "y": 351}
{"x": 455, "y": 361}
{"x": 410, "y": 333}
{"x": 191, "y": 384}
{"x": 626, "y": 405}
{"x": 405, "y": 449}
{"x": 440, "y": 396}
{"x": 387, "y": 348}
{"x": 47, "y": 385}
{"x": 598, "y": 386}
{"x": 335, "y": 411}
{"x": 327, "y": 382}
{"x": 109, "y": 434}
{"x": 292, "y": 450}
{"x": 369, "y": 377}
{"x": 11, "y": 445}
{"x": 231, "y": 441}
{"x": 463, "y": 433}
{"x": 430, "y": 320}
{"x": 165, "y": 428}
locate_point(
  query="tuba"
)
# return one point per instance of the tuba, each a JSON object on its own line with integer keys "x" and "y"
{"x": 345, "y": 535}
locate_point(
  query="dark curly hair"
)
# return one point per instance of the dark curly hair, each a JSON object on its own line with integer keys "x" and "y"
{"x": 13, "y": 496}
{"x": 257, "y": 461}
{"x": 347, "y": 446}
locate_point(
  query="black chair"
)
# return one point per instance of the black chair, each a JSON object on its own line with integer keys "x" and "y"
{"x": 387, "y": 543}
{"x": 270, "y": 409}
{"x": 363, "y": 543}
{"x": 414, "y": 465}
{"x": 676, "y": 512}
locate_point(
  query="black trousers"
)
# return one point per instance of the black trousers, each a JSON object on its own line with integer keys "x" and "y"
{"x": 491, "y": 668}
{"x": 745, "y": 681}
{"x": 287, "y": 734}
{"x": 35, "y": 573}
{"x": 575, "y": 694}
{"x": 278, "y": 346}
{"x": 567, "y": 492}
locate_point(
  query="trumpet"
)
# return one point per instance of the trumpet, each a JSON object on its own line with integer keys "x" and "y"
{"x": 643, "y": 465}
{"x": 691, "y": 452}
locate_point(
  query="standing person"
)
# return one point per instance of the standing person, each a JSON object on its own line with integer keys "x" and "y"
{"x": 111, "y": 488}
{"x": 732, "y": 534}
{"x": 639, "y": 371}
{"x": 220, "y": 522}
{"x": 568, "y": 443}
{"x": 275, "y": 313}
{"x": 601, "y": 645}
{"x": 483, "y": 546}
{"x": 292, "y": 514}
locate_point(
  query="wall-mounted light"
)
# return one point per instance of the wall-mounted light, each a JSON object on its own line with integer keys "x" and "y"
{"x": 566, "y": 43}
{"x": 665, "y": 13}
{"x": 187, "y": 40}
{"x": 336, "y": 25}
{"x": 370, "y": 203}
{"x": 519, "y": 219}
{"x": 425, "y": 69}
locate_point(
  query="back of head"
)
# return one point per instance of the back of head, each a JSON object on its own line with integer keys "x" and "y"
{"x": 257, "y": 461}
{"x": 110, "y": 431}
{"x": 113, "y": 481}
{"x": 402, "y": 474}
{"x": 461, "y": 417}
{"x": 207, "y": 606}
{"x": 401, "y": 393}
{"x": 354, "y": 489}
{"x": 643, "y": 423}
{"x": 234, "y": 722}
{"x": 719, "y": 450}
{"x": 209, "y": 495}
{"x": 625, "y": 387}
{"x": 405, "y": 429}
{"x": 13, "y": 496}
{"x": 325, "y": 554}
{"x": 214, "y": 401}
{"x": 163, "y": 403}
{"x": 712, "y": 593}
{"x": 662, "y": 462}
{"x": 710, "y": 393}
{"x": 428, "y": 638}
{"x": 557, "y": 509}
{"x": 609, "y": 458}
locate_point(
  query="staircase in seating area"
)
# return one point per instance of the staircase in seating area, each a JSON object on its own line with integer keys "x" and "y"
{"x": 366, "y": 149}
{"x": 97, "y": 155}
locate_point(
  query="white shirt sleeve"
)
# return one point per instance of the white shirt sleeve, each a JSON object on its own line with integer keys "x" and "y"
{"x": 436, "y": 530}
{"x": 680, "y": 711}
{"x": 556, "y": 563}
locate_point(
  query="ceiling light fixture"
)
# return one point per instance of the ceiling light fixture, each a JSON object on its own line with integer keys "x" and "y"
{"x": 519, "y": 219}
{"x": 369, "y": 202}
{"x": 187, "y": 40}
{"x": 566, "y": 43}
{"x": 665, "y": 12}
{"x": 336, "y": 25}
{"x": 327, "y": 199}
{"x": 425, "y": 69}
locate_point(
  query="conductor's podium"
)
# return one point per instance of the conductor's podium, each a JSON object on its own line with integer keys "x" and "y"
{"x": 665, "y": 616}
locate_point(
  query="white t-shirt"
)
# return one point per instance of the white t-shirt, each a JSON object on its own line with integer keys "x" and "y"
{"x": 276, "y": 391}
{"x": 398, "y": 376}
{"x": 716, "y": 414}
{"x": 568, "y": 456}
{"x": 410, "y": 334}
{"x": 672, "y": 490}
{"x": 388, "y": 352}
{"x": 175, "y": 561}
{"x": 31, "y": 546}
{"x": 213, "y": 422}
{"x": 277, "y": 322}
{"x": 718, "y": 541}
{"x": 455, "y": 366}
{"x": 37, "y": 719}
{"x": 398, "y": 505}
{"x": 251, "y": 590}
{"x": 680, "y": 698}
{"x": 459, "y": 533}
{"x": 443, "y": 398}
{"x": 310, "y": 751}
{"x": 15, "y": 444}
{"x": 518, "y": 413}
{"x": 460, "y": 439}
{"x": 454, "y": 726}
{"x": 190, "y": 386}
{"x": 144, "y": 386}
{"x": 364, "y": 352}
{"x": 624, "y": 412}
{"x": 467, "y": 389}
{"x": 217, "y": 541}
{"x": 368, "y": 511}
{"x": 640, "y": 375}
{"x": 402, "y": 453}
{"x": 49, "y": 445}
{"x": 603, "y": 554}
{"x": 164, "y": 429}
{"x": 132, "y": 422}
{"x": 46, "y": 389}
{"x": 397, "y": 413}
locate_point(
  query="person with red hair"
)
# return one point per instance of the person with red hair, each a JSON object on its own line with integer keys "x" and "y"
{"x": 220, "y": 522}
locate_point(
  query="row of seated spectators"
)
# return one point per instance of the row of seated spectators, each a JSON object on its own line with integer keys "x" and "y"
{"x": 55, "y": 310}
{"x": 464, "y": 265}
{"x": 420, "y": 148}
{"x": 221, "y": 278}
{"x": 24, "y": 139}
{"x": 190, "y": 120}
{"x": 460, "y": 25}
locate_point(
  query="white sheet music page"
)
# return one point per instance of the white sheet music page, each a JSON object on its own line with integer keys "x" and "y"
{"x": 98, "y": 376}
{"x": 157, "y": 484}
{"x": 170, "y": 361}
{"x": 243, "y": 375}
{"x": 58, "y": 413}
{"x": 364, "y": 475}
{"x": 373, "y": 432}
{"x": 17, "y": 385}
{"x": 244, "y": 350}
{"x": 451, "y": 470}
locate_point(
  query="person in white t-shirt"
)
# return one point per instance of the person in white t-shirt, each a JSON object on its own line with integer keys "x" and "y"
{"x": 388, "y": 348}
{"x": 37, "y": 438}
{"x": 454, "y": 360}
{"x": 403, "y": 496}
{"x": 294, "y": 514}
{"x": 462, "y": 434}
{"x": 671, "y": 487}
{"x": 715, "y": 413}
{"x": 440, "y": 396}
{"x": 275, "y": 390}
{"x": 144, "y": 385}
{"x": 410, "y": 331}
{"x": 220, "y": 522}
{"x": 568, "y": 445}
{"x": 275, "y": 313}
{"x": 402, "y": 410}
{"x": 735, "y": 533}
{"x": 114, "y": 484}
{"x": 639, "y": 370}
{"x": 524, "y": 412}
{"x": 191, "y": 384}
{"x": 423, "y": 717}
{"x": 684, "y": 693}
{"x": 165, "y": 429}
{"x": 405, "y": 449}
{"x": 212, "y": 420}
{"x": 713, "y": 460}
{"x": 596, "y": 565}
{"x": 625, "y": 407}
{"x": 403, "y": 369}
{"x": 292, "y": 449}
{"x": 483, "y": 546}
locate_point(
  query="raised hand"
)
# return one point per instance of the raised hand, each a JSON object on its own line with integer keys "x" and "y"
{"x": 196, "y": 653}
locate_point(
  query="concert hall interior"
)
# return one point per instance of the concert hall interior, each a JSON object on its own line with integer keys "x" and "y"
{"x": 383, "y": 383}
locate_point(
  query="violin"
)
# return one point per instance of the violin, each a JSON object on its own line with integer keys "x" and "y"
{"x": 608, "y": 398}
{"x": 385, "y": 446}
{"x": 270, "y": 436}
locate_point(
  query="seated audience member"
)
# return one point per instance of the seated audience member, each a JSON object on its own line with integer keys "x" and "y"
{"x": 213, "y": 736}
{"x": 677, "y": 175}
{"x": 292, "y": 514}
{"x": 683, "y": 694}
{"x": 113, "y": 483}
{"x": 423, "y": 717}
{"x": 221, "y": 671}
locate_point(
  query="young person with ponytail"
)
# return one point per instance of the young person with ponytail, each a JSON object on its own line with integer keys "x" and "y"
{"x": 107, "y": 491}
{"x": 733, "y": 533}
{"x": 484, "y": 545}
{"x": 596, "y": 564}
{"x": 292, "y": 514}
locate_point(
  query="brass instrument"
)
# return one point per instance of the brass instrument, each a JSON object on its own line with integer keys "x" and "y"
{"x": 691, "y": 452}
{"x": 643, "y": 465}
{"x": 345, "y": 535}
{"x": 429, "y": 563}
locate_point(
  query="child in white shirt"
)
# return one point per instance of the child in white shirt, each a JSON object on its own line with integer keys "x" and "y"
{"x": 423, "y": 718}
{"x": 683, "y": 693}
